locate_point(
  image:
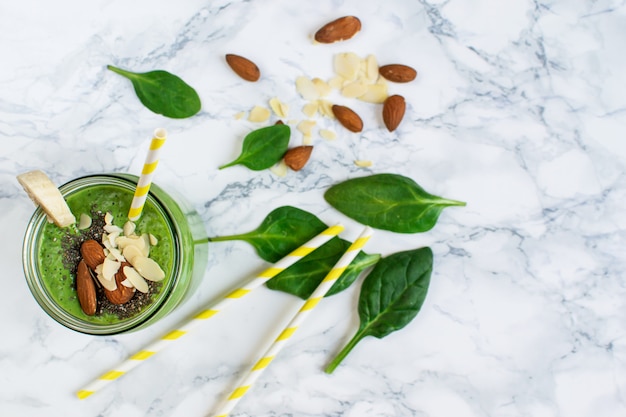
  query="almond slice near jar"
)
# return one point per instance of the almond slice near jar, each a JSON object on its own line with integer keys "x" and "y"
{"x": 46, "y": 195}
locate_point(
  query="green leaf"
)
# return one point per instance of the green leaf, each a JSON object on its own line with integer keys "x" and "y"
{"x": 302, "y": 278}
{"x": 163, "y": 93}
{"x": 388, "y": 201}
{"x": 263, "y": 147}
{"x": 391, "y": 296}
{"x": 282, "y": 231}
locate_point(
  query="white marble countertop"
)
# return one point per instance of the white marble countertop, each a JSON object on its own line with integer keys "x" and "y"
{"x": 518, "y": 109}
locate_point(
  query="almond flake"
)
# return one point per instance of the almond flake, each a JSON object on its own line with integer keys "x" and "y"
{"x": 280, "y": 109}
{"x": 137, "y": 280}
{"x": 111, "y": 228}
{"x": 306, "y": 88}
{"x": 376, "y": 93}
{"x": 354, "y": 89}
{"x": 371, "y": 69}
{"x": 322, "y": 87}
{"x": 328, "y": 134}
{"x": 148, "y": 268}
{"x": 279, "y": 169}
{"x": 84, "y": 222}
{"x": 127, "y": 283}
{"x": 363, "y": 163}
{"x": 310, "y": 109}
{"x": 336, "y": 82}
{"x": 153, "y": 240}
{"x": 239, "y": 115}
{"x": 108, "y": 218}
{"x": 326, "y": 109}
{"x": 130, "y": 252}
{"x": 306, "y": 127}
{"x": 129, "y": 228}
{"x": 259, "y": 114}
{"x": 347, "y": 65}
{"x": 109, "y": 269}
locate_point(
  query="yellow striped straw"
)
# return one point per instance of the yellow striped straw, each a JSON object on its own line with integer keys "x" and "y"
{"x": 293, "y": 325}
{"x": 145, "y": 180}
{"x": 208, "y": 312}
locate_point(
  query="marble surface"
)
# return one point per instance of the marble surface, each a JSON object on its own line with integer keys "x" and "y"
{"x": 518, "y": 110}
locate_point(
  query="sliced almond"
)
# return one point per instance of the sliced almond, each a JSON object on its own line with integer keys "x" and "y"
{"x": 148, "y": 268}
{"x": 328, "y": 134}
{"x": 110, "y": 268}
{"x": 306, "y": 88}
{"x": 109, "y": 284}
{"x": 336, "y": 82}
{"x": 130, "y": 252}
{"x": 84, "y": 222}
{"x": 129, "y": 228}
{"x": 306, "y": 127}
{"x": 326, "y": 108}
{"x": 310, "y": 109}
{"x": 279, "y": 108}
{"x": 322, "y": 87}
{"x": 259, "y": 114}
{"x": 347, "y": 65}
{"x": 146, "y": 244}
{"x": 111, "y": 238}
{"x": 137, "y": 280}
{"x": 279, "y": 169}
{"x": 111, "y": 228}
{"x": 108, "y": 218}
{"x": 153, "y": 240}
{"x": 127, "y": 283}
{"x": 117, "y": 255}
{"x": 376, "y": 93}
{"x": 354, "y": 89}
{"x": 363, "y": 163}
{"x": 371, "y": 69}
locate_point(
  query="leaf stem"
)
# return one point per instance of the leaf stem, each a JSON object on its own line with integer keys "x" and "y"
{"x": 344, "y": 352}
{"x": 225, "y": 238}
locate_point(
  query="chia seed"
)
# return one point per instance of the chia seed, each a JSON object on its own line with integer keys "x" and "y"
{"x": 71, "y": 257}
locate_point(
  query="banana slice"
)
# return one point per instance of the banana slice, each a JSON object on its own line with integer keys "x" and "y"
{"x": 45, "y": 194}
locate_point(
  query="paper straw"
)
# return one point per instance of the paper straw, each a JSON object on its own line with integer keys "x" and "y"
{"x": 209, "y": 312}
{"x": 293, "y": 325}
{"x": 145, "y": 180}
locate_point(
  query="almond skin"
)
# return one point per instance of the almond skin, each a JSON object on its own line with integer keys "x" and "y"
{"x": 393, "y": 111}
{"x": 243, "y": 67}
{"x": 338, "y": 30}
{"x": 92, "y": 253}
{"x": 398, "y": 73}
{"x": 85, "y": 289}
{"x": 122, "y": 294}
{"x": 348, "y": 118}
{"x": 296, "y": 158}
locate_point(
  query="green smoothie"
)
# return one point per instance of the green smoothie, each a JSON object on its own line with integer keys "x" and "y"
{"x": 51, "y": 254}
{"x": 56, "y": 270}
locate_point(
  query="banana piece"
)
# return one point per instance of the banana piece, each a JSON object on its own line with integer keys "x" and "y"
{"x": 45, "y": 194}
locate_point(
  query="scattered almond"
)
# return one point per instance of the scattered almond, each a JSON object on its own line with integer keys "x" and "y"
{"x": 363, "y": 163}
{"x": 393, "y": 111}
{"x": 338, "y": 30}
{"x": 137, "y": 280}
{"x": 84, "y": 222}
{"x": 122, "y": 294}
{"x": 243, "y": 67}
{"x": 296, "y": 158}
{"x": 148, "y": 268}
{"x": 348, "y": 118}
{"x": 259, "y": 114}
{"x": 398, "y": 73}
{"x": 328, "y": 134}
{"x": 92, "y": 253}
{"x": 85, "y": 289}
{"x": 307, "y": 89}
{"x": 279, "y": 108}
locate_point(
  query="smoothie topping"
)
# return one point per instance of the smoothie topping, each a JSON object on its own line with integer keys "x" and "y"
{"x": 120, "y": 264}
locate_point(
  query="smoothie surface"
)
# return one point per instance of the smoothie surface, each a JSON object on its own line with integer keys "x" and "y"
{"x": 59, "y": 281}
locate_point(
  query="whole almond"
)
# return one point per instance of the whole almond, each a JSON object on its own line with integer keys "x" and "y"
{"x": 92, "y": 253}
{"x": 348, "y": 118}
{"x": 393, "y": 111}
{"x": 243, "y": 67}
{"x": 85, "y": 289}
{"x": 296, "y": 158}
{"x": 122, "y": 294}
{"x": 398, "y": 73}
{"x": 338, "y": 30}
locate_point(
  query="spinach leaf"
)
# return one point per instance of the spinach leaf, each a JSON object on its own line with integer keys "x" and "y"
{"x": 263, "y": 147}
{"x": 391, "y": 296}
{"x": 282, "y": 231}
{"x": 304, "y": 276}
{"x": 388, "y": 201}
{"x": 163, "y": 93}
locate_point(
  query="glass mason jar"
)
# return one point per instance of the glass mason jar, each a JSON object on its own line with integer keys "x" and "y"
{"x": 181, "y": 251}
